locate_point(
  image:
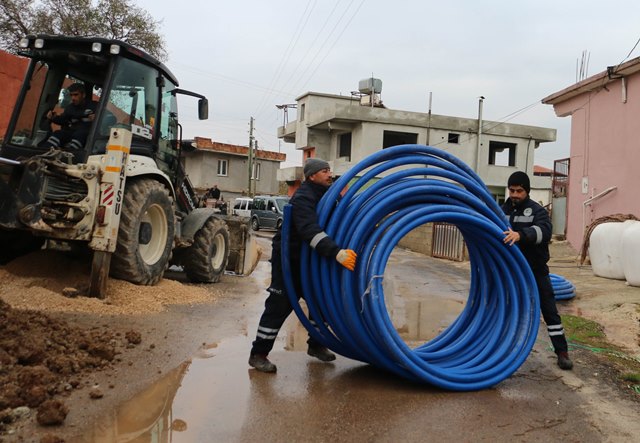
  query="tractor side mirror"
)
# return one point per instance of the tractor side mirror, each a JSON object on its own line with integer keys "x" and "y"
{"x": 203, "y": 109}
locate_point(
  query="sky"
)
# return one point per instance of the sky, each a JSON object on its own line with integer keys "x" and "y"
{"x": 249, "y": 56}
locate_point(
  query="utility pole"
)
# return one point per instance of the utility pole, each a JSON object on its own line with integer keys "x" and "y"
{"x": 255, "y": 167}
{"x": 250, "y": 157}
{"x": 479, "y": 141}
{"x": 429, "y": 120}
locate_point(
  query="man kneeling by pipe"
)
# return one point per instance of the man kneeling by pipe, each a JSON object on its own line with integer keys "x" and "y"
{"x": 531, "y": 230}
{"x": 305, "y": 228}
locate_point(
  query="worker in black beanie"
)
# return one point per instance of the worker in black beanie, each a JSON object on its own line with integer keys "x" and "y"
{"x": 520, "y": 178}
{"x": 531, "y": 230}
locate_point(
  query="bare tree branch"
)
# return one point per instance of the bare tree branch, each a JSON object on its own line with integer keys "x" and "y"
{"x": 118, "y": 19}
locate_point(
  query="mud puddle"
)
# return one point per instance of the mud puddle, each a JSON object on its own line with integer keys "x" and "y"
{"x": 215, "y": 396}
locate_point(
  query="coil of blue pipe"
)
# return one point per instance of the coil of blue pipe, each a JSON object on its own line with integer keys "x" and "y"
{"x": 496, "y": 330}
{"x": 563, "y": 289}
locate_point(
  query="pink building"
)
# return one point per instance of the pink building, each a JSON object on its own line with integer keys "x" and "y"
{"x": 605, "y": 147}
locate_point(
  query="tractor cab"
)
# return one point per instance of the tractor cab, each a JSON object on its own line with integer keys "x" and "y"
{"x": 128, "y": 88}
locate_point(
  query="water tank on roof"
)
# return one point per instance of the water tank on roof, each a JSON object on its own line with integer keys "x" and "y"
{"x": 370, "y": 86}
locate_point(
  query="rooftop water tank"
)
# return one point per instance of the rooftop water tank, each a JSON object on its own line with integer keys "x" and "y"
{"x": 370, "y": 86}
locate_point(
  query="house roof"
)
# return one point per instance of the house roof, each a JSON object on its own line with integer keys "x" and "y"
{"x": 206, "y": 144}
{"x": 594, "y": 82}
{"x": 541, "y": 170}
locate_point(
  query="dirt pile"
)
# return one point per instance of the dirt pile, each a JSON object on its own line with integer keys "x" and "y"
{"x": 51, "y": 281}
{"x": 43, "y": 358}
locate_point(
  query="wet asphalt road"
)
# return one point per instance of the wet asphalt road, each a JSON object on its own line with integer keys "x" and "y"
{"x": 216, "y": 397}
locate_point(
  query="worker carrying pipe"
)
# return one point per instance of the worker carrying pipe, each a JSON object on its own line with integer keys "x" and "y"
{"x": 306, "y": 230}
{"x": 531, "y": 231}
{"x": 386, "y": 196}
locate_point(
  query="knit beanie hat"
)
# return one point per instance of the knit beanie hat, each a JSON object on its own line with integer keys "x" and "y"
{"x": 520, "y": 178}
{"x": 313, "y": 165}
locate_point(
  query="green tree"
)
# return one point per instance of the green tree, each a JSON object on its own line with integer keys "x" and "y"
{"x": 119, "y": 19}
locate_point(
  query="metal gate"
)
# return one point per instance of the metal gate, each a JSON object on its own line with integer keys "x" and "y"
{"x": 560, "y": 180}
{"x": 447, "y": 242}
{"x": 560, "y": 188}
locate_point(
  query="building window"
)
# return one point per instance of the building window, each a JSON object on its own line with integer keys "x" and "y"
{"x": 302, "y": 112}
{"x": 453, "y": 138}
{"x": 222, "y": 168}
{"x": 393, "y": 138}
{"x": 255, "y": 173}
{"x": 502, "y": 154}
{"x": 344, "y": 146}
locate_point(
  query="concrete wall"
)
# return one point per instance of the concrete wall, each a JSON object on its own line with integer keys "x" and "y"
{"x": 202, "y": 168}
{"x": 605, "y": 152}
{"x": 327, "y": 116}
{"x": 419, "y": 239}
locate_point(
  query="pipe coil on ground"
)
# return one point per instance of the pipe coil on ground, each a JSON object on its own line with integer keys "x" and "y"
{"x": 563, "y": 289}
{"x": 496, "y": 330}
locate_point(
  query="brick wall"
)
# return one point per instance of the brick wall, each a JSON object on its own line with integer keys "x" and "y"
{"x": 12, "y": 69}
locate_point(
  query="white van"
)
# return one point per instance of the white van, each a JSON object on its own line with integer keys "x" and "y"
{"x": 242, "y": 206}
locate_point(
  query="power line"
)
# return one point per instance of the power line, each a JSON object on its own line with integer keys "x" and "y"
{"x": 313, "y": 42}
{"x": 334, "y": 43}
{"x": 318, "y": 34}
{"x": 287, "y": 54}
{"x": 628, "y": 55}
{"x": 250, "y": 85}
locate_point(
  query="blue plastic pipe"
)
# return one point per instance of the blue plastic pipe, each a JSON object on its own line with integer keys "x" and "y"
{"x": 496, "y": 330}
{"x": 563, "y": 289}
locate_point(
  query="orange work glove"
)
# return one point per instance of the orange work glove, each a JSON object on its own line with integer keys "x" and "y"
{"x": 347, "y": 258}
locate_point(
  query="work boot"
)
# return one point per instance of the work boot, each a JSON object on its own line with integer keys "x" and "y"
{"x": 564, "y": 362}
{"x": 262, "y": 363}
{"x": 321, "y": 353}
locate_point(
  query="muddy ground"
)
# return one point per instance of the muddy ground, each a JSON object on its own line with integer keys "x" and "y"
{"x": 61, "y": 351}
{"x": 66, "y": 360}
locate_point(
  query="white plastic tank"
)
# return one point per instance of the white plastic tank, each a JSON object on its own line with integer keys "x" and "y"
{"x": 631, "y": 254}
{"x": 605, "y": 249}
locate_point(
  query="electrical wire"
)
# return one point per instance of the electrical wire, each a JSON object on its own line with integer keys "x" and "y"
{"x": 302, "y": 22}
{"x": 497, "y": 328}
{"x": 628, "y": 55}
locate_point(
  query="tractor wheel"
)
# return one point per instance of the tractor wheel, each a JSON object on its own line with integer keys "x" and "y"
{"x": 254, "y": 224}
{"x": 145, "y": 237}
{"x": 206, "y": 259}
{"x": 16, "y": 243}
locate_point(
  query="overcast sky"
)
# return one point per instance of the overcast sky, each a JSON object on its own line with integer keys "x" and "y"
{"x": 249, "y": 56}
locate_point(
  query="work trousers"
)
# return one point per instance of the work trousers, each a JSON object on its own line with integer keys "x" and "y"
{"x": 550, "y": 311}
{"x": 70, "y": 138}
{"x": 277, "y": 307}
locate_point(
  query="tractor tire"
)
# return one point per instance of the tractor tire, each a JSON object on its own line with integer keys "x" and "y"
{"x": 255, "y": 225}
{"x": 145, "y": 237}
{"x": 206, "y": 259}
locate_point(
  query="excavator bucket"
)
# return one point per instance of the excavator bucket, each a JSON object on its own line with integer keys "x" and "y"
{"x": 244, "y": 251}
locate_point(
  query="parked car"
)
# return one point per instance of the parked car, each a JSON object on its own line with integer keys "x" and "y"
{"x": 242, "y": 206}
{"x": 267, "y": 211}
